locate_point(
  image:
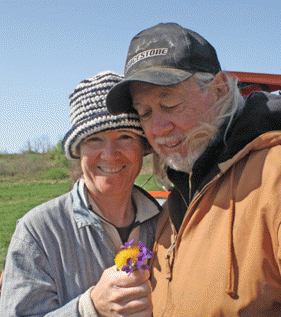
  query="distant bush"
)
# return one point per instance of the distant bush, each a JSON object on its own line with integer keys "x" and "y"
{"x": 57, "y": 174}
{"x": 57, "y": 156}
{"x": 34, "y": 158}
{"x": 22, "y": 165}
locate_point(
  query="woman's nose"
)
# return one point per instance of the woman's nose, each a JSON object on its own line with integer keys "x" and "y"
{"x": 110, "y": 151}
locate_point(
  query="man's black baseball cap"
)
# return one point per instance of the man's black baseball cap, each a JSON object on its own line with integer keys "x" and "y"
{"x": 165, "y": 54}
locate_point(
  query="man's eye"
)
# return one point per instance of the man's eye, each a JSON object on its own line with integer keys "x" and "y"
{"x": 145, "y": 114}
{"x": 169, "y": 108}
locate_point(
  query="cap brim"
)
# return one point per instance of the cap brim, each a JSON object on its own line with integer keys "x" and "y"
{"x": 119, "y": 100}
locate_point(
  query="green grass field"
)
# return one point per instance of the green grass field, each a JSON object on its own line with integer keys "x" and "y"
{"x": 16, "y": 199}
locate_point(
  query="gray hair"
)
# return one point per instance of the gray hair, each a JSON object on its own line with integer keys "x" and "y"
{"x": 226, "y": 107}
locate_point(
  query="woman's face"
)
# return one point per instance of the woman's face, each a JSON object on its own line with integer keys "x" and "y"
{"x": 111, "y": 161}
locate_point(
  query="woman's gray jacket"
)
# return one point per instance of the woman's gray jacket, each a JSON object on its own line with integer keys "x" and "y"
{"x": 60, "y": 249}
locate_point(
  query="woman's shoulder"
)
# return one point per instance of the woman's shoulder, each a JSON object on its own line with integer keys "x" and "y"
{"x": 48, "y": 214}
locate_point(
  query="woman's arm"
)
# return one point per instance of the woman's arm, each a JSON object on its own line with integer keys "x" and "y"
{"x": 29, "y": 289}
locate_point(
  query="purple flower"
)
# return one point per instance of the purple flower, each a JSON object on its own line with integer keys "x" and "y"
{"x": 144, "y": 250}
{"x": 128, "y": 268}
{"x": 127, "y": 244}
{"x": 141, "y": 257}
{"x": 142, "y": 266}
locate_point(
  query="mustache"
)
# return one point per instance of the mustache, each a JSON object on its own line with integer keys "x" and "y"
{"x": 166, "y": 139}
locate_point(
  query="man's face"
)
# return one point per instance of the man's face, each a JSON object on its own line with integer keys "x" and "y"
{"x": 168, "y": 115}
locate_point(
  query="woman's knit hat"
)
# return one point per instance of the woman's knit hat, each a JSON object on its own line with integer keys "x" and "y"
{"x": 89, "y": 115}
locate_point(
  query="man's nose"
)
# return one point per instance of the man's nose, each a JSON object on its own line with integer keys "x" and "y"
{"x": 161, "y": 124}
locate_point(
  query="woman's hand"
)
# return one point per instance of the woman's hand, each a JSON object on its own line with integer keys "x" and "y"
{"x": 117, "y": 294}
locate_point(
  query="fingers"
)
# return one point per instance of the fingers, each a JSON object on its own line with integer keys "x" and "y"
{"x": 117, "y": 294}
{"x": 133, "y": 293}
{"x": 123, "y": 296}
{"x": 138, "y": 307}
{"x": 133, "y": 302}
{"x": 121, "y": 279}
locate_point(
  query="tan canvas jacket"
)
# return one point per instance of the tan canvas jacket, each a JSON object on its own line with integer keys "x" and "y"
{"x": 226, "y": 257}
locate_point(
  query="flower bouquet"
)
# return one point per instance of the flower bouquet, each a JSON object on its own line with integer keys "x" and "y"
{"x": 133, "y": 258}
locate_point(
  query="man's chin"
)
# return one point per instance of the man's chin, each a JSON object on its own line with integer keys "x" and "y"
{"x": 177, "y": 162}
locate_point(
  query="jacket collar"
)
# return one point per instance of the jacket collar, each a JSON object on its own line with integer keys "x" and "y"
{"x": 147, "y": 206}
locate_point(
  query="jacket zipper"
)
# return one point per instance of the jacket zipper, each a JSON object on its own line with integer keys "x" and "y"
{"x": 167, "y": 258}
{"x": 172, "y": 247}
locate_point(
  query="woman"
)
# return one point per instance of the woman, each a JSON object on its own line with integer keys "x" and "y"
{"x": 60, "y": 260}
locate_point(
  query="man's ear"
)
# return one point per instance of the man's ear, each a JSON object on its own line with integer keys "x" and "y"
{"x": 220, "y": 85}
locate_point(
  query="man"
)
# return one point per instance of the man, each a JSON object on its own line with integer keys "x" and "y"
{"x": 220, "y": 253}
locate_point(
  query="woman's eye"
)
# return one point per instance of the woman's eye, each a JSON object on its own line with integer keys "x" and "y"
{"x": 93, "y": 140}
{"x": 125, "y": 137}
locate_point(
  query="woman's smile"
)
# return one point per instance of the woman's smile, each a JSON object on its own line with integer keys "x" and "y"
{"x": 111, "y": 170}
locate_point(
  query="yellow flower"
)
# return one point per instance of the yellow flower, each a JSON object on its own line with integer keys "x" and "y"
{"x": 122, "y": 257}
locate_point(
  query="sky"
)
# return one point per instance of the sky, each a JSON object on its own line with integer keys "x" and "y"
{"x": 49, "y": 47}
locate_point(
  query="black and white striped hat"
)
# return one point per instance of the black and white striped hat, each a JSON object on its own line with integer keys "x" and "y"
{"x": 89, "y": 115}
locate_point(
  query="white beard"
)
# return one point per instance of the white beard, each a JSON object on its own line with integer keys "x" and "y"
{"x": 194, "y": 145}
{"x": 177, "y": 162}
